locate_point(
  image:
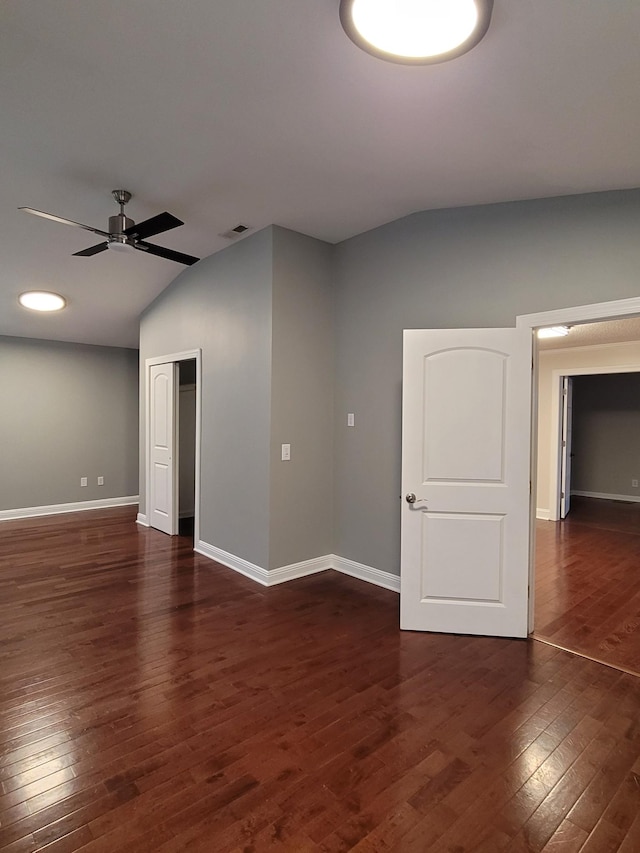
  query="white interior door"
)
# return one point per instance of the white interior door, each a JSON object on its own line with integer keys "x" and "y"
{"x": 162, "y": 406}
{"x": 565, "y": 444}
{"x": 465, "y": 481}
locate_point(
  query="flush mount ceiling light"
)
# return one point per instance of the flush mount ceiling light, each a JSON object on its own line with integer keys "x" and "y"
{"x": 42, "y": 300}
{"x": 416, "y": 32}
{"x": 553, "y": 332}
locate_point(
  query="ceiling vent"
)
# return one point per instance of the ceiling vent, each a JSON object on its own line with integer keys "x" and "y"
{"x": 234, "y": 233}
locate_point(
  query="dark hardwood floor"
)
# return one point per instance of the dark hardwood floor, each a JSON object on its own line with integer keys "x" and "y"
{"x": 151, "y": 700}
{"x": 588, "y": 581}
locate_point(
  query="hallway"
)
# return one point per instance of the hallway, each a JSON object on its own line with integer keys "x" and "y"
{"x": 588, "y": 582}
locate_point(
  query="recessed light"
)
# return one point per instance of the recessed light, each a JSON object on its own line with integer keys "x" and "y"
{"x": 42, "y": 300}
{"x": 416, "y": 31}
{"x": 553, "y": 332}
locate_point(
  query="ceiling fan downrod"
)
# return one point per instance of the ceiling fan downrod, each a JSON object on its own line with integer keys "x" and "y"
{"x": 119, "y": 223}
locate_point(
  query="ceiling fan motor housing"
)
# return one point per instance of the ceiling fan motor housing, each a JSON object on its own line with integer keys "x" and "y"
{"x": 119, "y": 223}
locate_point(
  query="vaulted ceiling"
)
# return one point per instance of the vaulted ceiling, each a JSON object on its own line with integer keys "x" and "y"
{"x": 265, "y": 112}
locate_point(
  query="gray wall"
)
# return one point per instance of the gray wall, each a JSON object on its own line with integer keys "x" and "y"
{"x": 301, "y": 399}
{"x": 68, "y": 411}
{"x": 468, "y": 267}
{"x": 223, "y": 306}
{"x": 606, "y": 433}
{"x": 262, "y": 313}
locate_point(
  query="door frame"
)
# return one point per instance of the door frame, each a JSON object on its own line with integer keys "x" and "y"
{"x": 172, "y": 358}
{"x": 529, "y": 323}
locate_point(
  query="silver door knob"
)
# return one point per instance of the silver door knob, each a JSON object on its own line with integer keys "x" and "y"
{"x": 410, "y": 498}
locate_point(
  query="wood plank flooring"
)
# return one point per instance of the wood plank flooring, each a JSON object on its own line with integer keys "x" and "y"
{"x": 151, "y": 700}
{"x": 588, "y": 581}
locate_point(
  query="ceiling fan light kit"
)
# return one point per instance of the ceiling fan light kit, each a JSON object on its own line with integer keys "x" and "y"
{"x": 416, "y": 32}
{"x": 124, "y": 234}
{"x": 120, "y": 244}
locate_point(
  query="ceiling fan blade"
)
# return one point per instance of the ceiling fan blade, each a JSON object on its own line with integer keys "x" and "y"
{"x": 92, "y": 250}
{"x": 168, "y": 254}
{"x": 63, "y": 221}
{"x": 156, "y": 225}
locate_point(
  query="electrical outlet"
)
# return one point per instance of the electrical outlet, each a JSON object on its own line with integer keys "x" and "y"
{"x": 634, "y": 484}
{"x": 83, "y": 481}
{"x": 286, "y": 452}
{"x": 101, "y": 481}
{"x": 351, "y": 419}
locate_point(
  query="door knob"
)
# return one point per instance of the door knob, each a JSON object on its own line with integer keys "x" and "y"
{"x": 411, "y": 499}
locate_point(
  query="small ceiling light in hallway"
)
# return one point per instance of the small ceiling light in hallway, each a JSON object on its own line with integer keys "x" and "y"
{"x": 416, "y": 32}
{"x": 553, "y": 332}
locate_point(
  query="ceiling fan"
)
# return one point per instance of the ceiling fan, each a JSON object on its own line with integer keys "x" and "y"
{"x": 124, "y": 234}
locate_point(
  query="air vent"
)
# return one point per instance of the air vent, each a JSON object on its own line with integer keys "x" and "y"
{"x": 234, "y": 233}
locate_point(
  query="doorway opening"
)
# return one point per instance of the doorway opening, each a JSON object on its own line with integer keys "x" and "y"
{"x": 172, "y": 442}
{"x": 582, "y": 570}
{"x": 186, "y": 447}
{"x": 556, "y": 408}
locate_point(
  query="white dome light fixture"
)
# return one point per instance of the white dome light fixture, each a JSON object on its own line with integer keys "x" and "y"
{"x": 416, "y": 32}
{"x": 42, "y": 300}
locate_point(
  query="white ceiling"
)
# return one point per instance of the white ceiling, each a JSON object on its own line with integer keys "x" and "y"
{"x": 228, "y": 111}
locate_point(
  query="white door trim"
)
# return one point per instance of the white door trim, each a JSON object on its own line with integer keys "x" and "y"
{"x": 561, "y": 316}
{"x": 581, "y": 314}
{"x": 168, "y": 359}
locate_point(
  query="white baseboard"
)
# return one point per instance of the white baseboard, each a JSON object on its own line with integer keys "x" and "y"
{"x": 366, "y": 573}
{"x": 543, "y": 514}
{"x": 249, "y": 570}
{"x": 142, "y": 519}
{"x": 603, "y": 496}
{"x": 56, "y": 509}
{"x": 299, "y": 570}
{"x": 257, "y": 573}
